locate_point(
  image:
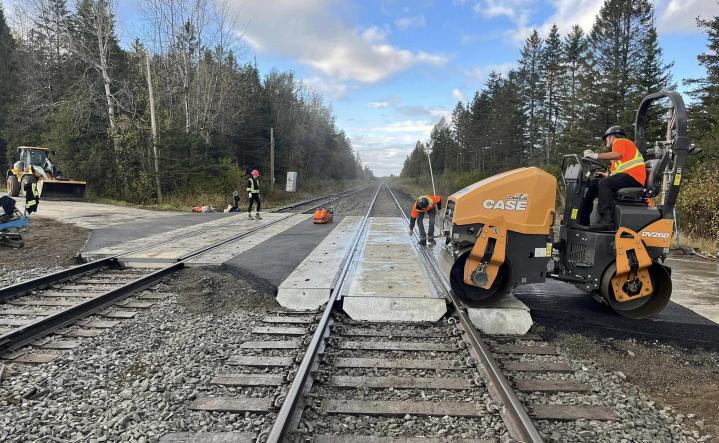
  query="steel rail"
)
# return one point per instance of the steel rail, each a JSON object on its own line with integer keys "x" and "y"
{"x": 9, "y": 292}
{"x": 338, "y": 196}
{"x": 285, "y": 415}
{"x": 515, "y": 417}
{"x": 43, "y": 281}
{"x": 27, "y": 334}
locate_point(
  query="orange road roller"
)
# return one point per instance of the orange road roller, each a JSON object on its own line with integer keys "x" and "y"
{"x": 501, "y": 232}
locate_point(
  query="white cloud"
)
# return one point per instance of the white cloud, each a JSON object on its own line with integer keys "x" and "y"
{"x": 458, "y": 95}
{"x": 413, "y": 126}
{"x": 481, "y": 73}
{"x": 680, "y": 15}
{"x": 312, "y": 32}
{"x": 332, "y": 89}
{"x": 417, "y": 21}
{"x": 377, "y": 105}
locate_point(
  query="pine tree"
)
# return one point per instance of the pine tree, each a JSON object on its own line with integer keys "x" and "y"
{"x": 8, "y": 81}
{"x": 704, "y": 113}
{"x": 532, "y": 89}
{"x": 553, "y": 72}
{"x": 578, "y": 84}
{"x": 615, "y": 45}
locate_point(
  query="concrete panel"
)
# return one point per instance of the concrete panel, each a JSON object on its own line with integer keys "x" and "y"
{"x": 395, "y": 309}
{"x": 226, "y": 252}
{"x": 310, "y": 284}
{"x": 185, "y": 241}
{"x": 509, "y": 316}
{"x": 389, "y": 281}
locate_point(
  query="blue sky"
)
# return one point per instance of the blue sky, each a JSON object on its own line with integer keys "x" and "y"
{"x": 391, "y": 69}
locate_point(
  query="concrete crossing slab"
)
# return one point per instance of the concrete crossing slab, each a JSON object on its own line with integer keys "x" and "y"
{"x": 186, "y": 241}
{"x": 389, "y": 281}
{"x": 310, "y": 284}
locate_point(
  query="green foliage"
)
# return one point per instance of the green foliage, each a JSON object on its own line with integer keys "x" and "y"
{"x": 699, "y": 209}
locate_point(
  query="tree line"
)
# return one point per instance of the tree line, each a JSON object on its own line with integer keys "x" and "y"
{"x": 565, "y": 91}
{"x": 66, "y": 83}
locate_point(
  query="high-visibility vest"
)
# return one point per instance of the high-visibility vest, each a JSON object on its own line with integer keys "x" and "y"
{"x": 254, "y": 186}
{"x": 30, "y": 204}
{"x": 619, "y": 167}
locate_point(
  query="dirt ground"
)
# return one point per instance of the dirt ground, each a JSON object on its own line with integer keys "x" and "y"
{"x": 48, "y": 243}
{"x": 685, "y": 379}
{"x": 221, "y": 291}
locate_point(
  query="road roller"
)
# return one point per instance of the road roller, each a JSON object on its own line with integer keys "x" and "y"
{"x": 502, "y": 231}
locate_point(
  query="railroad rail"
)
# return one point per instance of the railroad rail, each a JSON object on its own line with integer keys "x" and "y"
{"x": 90, "y": 300}
{"x": 515, "y": 417}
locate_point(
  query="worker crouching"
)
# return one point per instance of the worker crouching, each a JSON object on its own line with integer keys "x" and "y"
{"x": 427, "y": 204}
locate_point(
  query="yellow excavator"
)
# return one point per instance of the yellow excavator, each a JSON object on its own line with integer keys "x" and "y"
{"x": 501, "y": 231}
{"x": 34, "y": 165}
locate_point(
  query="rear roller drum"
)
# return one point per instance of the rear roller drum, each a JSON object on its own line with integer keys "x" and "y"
{"x": 473, "y": 296}
{"x": 643, "y": 307}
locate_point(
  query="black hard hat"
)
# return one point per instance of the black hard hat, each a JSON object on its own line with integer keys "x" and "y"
{"x": 422, "y": 203}
{"x": 614, "y": 130}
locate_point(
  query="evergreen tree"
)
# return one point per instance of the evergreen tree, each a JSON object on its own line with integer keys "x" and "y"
{"x": 8, "y": 82}
{"x": 532, "y": 89}
{"x": 578, "y": 84}
{"x": 704, "y": 113}
{"x": 553, "y": 73}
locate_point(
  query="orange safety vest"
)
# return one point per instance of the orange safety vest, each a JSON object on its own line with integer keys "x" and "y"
{"x": 433, "y": 201}
{"x": 631, "y": 161}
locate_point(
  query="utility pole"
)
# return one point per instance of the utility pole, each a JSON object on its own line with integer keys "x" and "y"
{"x": 153, "y": 125}
{"x": 272, "y": 160}
{"x": 431, "y": 174}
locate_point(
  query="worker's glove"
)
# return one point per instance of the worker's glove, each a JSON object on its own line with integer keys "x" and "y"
{"x": 249, "y": 195}
{"x": 591, "y": 154}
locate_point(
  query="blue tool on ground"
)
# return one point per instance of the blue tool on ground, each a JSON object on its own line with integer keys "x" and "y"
{"x": 12, "y": 223}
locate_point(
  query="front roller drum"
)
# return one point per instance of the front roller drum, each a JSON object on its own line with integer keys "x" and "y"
{"x": 474, "y": 296}
{"x": 643, "y": 307}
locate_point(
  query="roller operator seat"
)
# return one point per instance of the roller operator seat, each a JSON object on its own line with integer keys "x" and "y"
{"x": 655, "y": 169}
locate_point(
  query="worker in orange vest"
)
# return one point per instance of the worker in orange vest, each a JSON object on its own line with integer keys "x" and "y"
{"x": 627, "y": 171}
{"x": 425, "y": 204}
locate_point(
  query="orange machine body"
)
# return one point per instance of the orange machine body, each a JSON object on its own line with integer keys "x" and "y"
{"x": 323, "y": 216}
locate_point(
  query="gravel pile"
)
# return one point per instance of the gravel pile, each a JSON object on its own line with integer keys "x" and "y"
{"x": 134, "y": 382}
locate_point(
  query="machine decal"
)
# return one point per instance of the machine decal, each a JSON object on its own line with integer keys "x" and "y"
{"x": 516, "y": 202}
{"x": 659, "y": 233}
{"x": 575, "y": 213}
{"x": 678, "y": 179}
{"x": 655, "y": 234}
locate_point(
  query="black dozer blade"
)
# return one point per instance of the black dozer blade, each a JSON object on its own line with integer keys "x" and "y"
{"x": 62, "y": 190}
{"x": 474, "y": 296}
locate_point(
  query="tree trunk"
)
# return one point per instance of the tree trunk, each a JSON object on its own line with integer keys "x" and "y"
{"x": 154, "y": 129}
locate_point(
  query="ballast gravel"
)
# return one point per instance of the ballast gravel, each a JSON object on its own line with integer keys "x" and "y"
{"x": 135, "y": 381}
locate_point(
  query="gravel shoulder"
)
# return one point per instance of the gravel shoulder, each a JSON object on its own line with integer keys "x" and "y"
{"x": 682, "y": 382}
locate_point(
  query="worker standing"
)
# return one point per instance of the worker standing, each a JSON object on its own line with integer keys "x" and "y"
{"x": 32, "y": 197}
{"x": 253, "y": 192}
{"x": 426, "y": 204}
{"x": 627, "y": 171}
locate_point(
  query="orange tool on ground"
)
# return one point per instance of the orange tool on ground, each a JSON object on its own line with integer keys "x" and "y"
{"x": 323, "y": 216}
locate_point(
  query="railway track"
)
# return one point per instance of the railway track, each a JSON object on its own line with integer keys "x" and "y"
{"x": 44, "y": 312}
{"x": 320, "y": 376}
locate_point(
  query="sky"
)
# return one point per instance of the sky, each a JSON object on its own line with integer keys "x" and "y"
{"x": 392, "y": 69}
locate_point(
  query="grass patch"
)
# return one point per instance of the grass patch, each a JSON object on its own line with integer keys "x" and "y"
{"x": 219, "y": 201}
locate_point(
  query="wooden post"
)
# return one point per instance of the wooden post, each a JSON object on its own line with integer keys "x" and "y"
{"x": 153, "y": 125}
{"x": 272, "y": 160}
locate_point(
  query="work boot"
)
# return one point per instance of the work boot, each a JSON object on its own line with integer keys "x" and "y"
{"x": 422, "y": 242}
{"x": 431, "y": 241}
{"x": 257, "y": 216}
{"x": 249, "y": 216}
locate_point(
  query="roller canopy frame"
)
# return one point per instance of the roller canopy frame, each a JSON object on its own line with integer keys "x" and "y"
{"x": 679, "y": 143}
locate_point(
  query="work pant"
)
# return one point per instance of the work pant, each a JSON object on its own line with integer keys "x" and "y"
{"x": 606, "y": 189}
{"x": 255, "y": 198}
{"x": 420, "y": 223}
